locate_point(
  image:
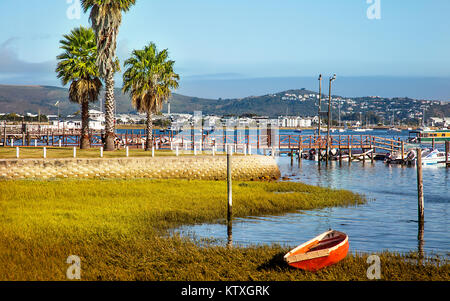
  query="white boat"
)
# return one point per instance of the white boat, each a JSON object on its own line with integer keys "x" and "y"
{"x": 433, "y": 157}
{"x": 395, "y": 130}
{"x": 341, "y": 130}
{"x": 359, "y": 130}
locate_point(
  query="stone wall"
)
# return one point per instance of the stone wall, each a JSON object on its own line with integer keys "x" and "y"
{"x": 185, "y": 167}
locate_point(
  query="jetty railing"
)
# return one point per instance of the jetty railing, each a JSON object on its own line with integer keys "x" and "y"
{"x": 169, "y": 140}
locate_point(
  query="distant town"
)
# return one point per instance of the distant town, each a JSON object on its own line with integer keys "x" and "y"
{"x": 371, "y": 111}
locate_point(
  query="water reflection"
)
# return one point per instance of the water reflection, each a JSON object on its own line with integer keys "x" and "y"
{"x": 387, "y": 222}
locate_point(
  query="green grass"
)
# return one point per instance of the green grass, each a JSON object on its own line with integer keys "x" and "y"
{"x": 64, "y": 152}
{"x": 119, "y": 228}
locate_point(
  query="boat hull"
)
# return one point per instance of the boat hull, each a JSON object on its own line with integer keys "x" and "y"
{"x": 324, "y": 250}
{"x": 322, "y": 262}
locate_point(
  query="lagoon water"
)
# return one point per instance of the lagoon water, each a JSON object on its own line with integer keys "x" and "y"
{"x": 389, "y": 221}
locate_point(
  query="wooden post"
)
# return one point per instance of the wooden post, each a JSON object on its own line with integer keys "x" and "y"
{"x": 300, "y": 151}
{"x": 349, "y": 154}
{"x": 420, "y": 185}
{"x": 5, "y": 137}
{"x": 292, "y": 157}
{"x": 432, "y": 143}
{"x": 421, "y": 206}
{"x": 373, "y": 153}
{"x": 230, "y": 199}
{"x": 447, "y": 153}
{"x": 403, "y": 152}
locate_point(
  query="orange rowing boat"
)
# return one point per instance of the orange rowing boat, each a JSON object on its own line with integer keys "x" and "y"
{"x": 324, "y": 250}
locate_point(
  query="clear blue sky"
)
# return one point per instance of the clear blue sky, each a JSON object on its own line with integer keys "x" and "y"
{"x": 235, "y": 39}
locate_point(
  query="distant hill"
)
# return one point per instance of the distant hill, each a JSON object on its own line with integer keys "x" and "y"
{"x": 22, "y": 99}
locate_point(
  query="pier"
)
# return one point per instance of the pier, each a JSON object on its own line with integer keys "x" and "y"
{"x": 248, "y": 141}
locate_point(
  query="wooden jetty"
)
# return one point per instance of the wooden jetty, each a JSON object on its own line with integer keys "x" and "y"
{"x": 348, "y": 147}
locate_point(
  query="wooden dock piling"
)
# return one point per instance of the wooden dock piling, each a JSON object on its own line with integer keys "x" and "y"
{"x": 229, "y": 199}
{"x": 420, "y": 185}
{"x": 447, "y": 153}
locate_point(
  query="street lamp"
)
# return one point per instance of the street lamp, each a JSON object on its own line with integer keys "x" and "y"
{"x": 320, "y": 101}
{"x": 329, "y": 118}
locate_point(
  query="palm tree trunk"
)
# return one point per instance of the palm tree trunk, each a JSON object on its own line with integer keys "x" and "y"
{"x": 149, "y": 142}
{"x": 85, "y": 141}
{"x": 109, "y": 112}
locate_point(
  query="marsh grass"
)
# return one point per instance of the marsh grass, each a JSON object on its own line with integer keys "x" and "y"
{"x": 120, "y": 229}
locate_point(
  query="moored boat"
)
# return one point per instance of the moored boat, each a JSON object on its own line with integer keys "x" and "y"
{"x": 430, "y": 136}
{"x": 324, "y": 250}
{"x": 433, "y": 157}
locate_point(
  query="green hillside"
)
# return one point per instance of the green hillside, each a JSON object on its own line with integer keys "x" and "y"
{"x": 22, "y": 99}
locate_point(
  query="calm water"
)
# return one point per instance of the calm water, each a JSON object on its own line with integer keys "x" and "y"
{"x": 387, "y": 222}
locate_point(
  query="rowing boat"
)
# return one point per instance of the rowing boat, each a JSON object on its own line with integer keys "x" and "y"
{"x": 324, "y": 250}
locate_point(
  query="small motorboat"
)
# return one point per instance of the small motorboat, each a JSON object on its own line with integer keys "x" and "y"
{"x": 433, "y": 157}
{"x": 324, "y": 250}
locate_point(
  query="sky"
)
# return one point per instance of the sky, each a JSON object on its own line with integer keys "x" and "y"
{"x": 236, "y": 48}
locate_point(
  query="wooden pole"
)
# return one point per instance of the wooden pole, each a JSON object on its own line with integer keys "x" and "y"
{"x": 420, "y": 185}
{"x": 320, "y": 103}
{"x": 403, "y": 152}
{"x": 349, "y": 154}
{"x": 447, "y": 153}
{"x": 432, "y": 143}
{"x": 230, "y": 199}
{"x": 5, "y": 137}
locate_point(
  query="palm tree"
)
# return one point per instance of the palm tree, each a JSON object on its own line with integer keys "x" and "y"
{"x": 149, "y": 79}
{"x": 106, "y": 17}
{"x": 77, "y": 64}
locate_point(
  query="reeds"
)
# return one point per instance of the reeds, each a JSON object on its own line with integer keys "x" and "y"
{"x": 119, "y": 230}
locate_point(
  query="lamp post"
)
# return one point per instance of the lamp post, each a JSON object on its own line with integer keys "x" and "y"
{"x": 320, "y": 102}
{"x": 329, "y": 119}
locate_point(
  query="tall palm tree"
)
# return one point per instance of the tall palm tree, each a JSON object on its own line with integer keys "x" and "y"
{"x": 106, "y": 17}
{"x": 149, "y": 79}
{"x": 77, "y": 64}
